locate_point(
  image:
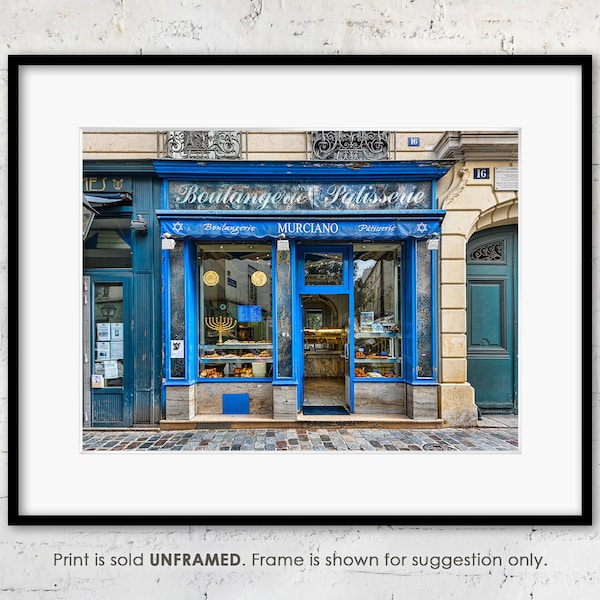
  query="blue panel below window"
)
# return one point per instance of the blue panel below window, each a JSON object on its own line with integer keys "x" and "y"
{"x": 236, "y": 404}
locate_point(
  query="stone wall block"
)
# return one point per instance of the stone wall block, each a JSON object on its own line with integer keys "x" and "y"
{"x": 180, "y": 403}
{"x": 454, "y": 346}
{"x": 454, "y": 370}
{"x": 457, "y": 405}
{"x": 453, "y": 321}
{"x": 284, "y": 402}
{"x": 453, "y": 296}
{"x": 422, "y": 402}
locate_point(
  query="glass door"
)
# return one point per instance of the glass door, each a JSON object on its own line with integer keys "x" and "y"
{"x": 324, "y": 309}
{"x": 111, "y": 364}
{"x": 325, "y": 353}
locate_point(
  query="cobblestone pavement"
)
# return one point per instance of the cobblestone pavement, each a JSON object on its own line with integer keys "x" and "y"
{"x": 308, "y": 439}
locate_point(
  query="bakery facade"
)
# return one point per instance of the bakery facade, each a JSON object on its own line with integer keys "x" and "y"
{"x": 282, "y": 277}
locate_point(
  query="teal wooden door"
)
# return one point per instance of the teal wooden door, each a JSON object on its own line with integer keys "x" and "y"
{"x": 111, "y": 350}
{"x": 492, "y": 319}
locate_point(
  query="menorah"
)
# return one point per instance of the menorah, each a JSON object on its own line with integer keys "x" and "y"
{"x": 220, "y": 324}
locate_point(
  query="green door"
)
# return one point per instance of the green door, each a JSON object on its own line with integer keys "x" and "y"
{"x": 492, "y": 319}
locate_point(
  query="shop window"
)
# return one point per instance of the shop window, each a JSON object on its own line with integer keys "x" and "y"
{"x": 377, "y": 311}
{"x": 108, "y": 335}
{"x": 235, "y": 311}
{"x": 108, "y": 243}
{"x": 323, "y": 269}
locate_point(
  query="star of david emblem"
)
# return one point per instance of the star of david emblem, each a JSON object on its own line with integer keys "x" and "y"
{"x": 421, "y": 227}
{"x": 178, "y": 227}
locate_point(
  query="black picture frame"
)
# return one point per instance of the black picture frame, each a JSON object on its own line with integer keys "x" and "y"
{"x": 19, "y": 240}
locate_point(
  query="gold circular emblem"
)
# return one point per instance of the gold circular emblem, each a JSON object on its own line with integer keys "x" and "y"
{"x": 211, "y": 278}
{"x": 258, "y": 278}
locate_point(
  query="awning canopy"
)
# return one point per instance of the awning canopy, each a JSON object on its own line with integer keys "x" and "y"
{"x": 300, "y": 229}
{"x": 107, "y": 198}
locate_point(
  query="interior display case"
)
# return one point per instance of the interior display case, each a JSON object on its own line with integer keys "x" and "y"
{"x": 377, "y": 311}
{"x": 377, "y": 354}
{"x": 324, "y": 339}
{"x": 235, "y": 358}
{"x": 235, "y": 321}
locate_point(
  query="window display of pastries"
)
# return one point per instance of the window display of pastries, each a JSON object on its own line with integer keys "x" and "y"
{"x": 242, "y": 372}
{"x": 211, "y": 373}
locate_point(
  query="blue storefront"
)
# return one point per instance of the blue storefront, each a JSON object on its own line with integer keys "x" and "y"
{"x": 287, "y": 286}
{"x": 268, "y": 289}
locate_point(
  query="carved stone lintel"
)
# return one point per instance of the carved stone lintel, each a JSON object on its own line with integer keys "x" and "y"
{"x": 350, "y": 145}
{"x": 204, "y": 145}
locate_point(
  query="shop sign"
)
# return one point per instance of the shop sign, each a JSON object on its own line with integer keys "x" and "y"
{"x": 107, "y": 184}
{"x": 302, "y": 230}
{"x": 308, "y": 197}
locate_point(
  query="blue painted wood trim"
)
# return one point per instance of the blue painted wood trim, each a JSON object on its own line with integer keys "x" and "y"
{"x": 346, "y": 252}
{"x": 284, "y": 305}
{"x": 164, "y": 196}
{"x": 303, "y": 170}
{"x": 191, "y": 310}
{"x": 409, "y": 345}
{"x": 125, "y": 278}
{"x": 166, "y": 312}
{"x": 432, "y": 272}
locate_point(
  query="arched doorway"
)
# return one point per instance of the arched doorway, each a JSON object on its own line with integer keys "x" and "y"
{"x": 492, "y": 357}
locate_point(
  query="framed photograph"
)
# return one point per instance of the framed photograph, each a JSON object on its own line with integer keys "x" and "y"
{"x": 429, "y": 182}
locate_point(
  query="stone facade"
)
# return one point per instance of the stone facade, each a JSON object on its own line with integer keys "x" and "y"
{"x": 471, "y": 205}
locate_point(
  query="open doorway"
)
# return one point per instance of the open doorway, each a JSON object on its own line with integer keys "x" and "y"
{"x": 325, "y": 331}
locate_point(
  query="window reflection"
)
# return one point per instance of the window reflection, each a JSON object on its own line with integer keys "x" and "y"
{"x": 109, "y": 332}
{"x": 108, "y": 244}
{"x": 377, "y": 311}
{"x": 326, "y": 268}
{"x": 235, "y": 318}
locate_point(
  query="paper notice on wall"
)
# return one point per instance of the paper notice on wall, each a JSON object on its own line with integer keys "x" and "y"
{"x": 111, "y": 370}
{"x": 97, "y": 381}
{"x": 116, "y": 331}
{"x": 103, "y": 350}
{"x": 177, "y": 349}
{"x": 116, "y": 350}
{"x": 103, "y": 332}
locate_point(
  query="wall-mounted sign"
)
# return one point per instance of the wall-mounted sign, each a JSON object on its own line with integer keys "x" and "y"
{"x": 300, "y": 230}
{"x": 414, "y": 141}
{"x": 481, "y": 173}
{"x": 506, "y": 179}
{"x": 110, "y": 183}
{"x": 299, "y": 197}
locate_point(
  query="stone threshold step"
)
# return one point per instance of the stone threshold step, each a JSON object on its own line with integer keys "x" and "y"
{"x": 372, "y": 422}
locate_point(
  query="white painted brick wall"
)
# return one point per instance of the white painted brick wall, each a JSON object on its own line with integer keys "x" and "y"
{"x": 317, "y": 27}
